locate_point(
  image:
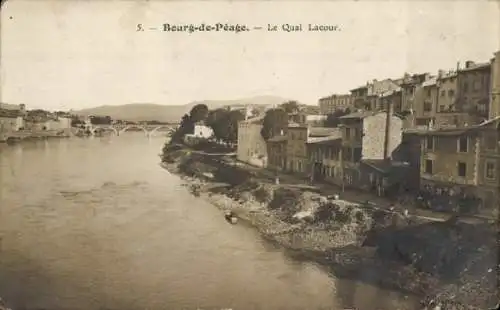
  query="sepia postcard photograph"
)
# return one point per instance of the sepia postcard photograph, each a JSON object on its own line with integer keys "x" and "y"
{"x": 249, "y": 155}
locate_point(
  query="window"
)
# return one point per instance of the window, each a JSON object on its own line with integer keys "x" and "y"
{"x": 466, "y": 87}
{"x": 442, "y": 108}
{"x": 489, "y": 200}
{"x": 358, "y": 134}
{"x": 463, "y": 144}
{"x": 451, "y": 93}
{"x": 357, "y": 155}
{"x": 490, "y": 170}
{"x": 348, "y": 133}
{"x": 462, "y": 169}
{"x": 428, "y": 92}
{"x": 443, "y": 93}
{"x": 428, "y": 166}
{"x": 429, "y": 143}
{"x": 490, "y": 142}
{"x": 427, "y": 106}
{"x": 346, "y": 155}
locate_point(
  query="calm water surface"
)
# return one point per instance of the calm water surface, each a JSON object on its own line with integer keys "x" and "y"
{"x": 97, "y": 224}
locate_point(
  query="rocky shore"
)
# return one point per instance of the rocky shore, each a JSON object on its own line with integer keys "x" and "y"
{"x": 449, "y": 264}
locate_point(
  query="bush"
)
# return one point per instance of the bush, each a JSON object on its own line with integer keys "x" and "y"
{"x": 285, "y": 201}
{"x": 263, "y": 195}
{"x": 325, "y": 213}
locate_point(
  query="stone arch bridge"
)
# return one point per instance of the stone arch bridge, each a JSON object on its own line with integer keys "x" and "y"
{"x": 149, "y": 130}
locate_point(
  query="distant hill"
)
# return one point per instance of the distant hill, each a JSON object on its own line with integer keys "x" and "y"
{"x": 172, "y": 113}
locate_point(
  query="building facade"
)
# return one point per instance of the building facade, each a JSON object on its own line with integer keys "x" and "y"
{"x": 367, "y": 136}
{"x": 391, "y": 98}
{"x": 495, "y": 86}
{"x": 324, "y": 159}
{"x": 474, "y": 89}
{"x": 448, "y": 85}
{"x": 460, "y": 168}
{"x": 252, "y": 147}
{"x": 330, "y": 104}
{"x": 276, "y": 150}
{"x": 410, "y": 85}
{"x": 296, "y": 153}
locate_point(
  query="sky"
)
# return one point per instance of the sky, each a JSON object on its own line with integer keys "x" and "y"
{"x": 62, "y": 55}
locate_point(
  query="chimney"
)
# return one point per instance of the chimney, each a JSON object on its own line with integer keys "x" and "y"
{"x": 468, "y": 64}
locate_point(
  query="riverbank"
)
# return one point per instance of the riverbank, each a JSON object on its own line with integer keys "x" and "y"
{"x": 20, "y": 136}
{"x": 433, "y": 260}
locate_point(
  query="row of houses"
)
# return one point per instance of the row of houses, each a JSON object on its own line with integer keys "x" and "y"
{"x": 465, "y": 95}
{"x": 432, "y": 138}
{"x": 451, "y": 169}
{"x": 15, "y": 118}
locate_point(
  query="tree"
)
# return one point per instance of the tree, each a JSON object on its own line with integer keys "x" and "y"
{"x": 100, "y": 120}
{"x": 75, "y": 122}
{"x": 216, "y": 120}
{"x": 234, "y": 117}
{"x": 332, "y": 120}
{"x": 224, "y": 123}
{"x": 199, "y": 113}
{"x": 274, "y": 121}
{"x": 185, "y": 127}
{"x": 290, "y": 106}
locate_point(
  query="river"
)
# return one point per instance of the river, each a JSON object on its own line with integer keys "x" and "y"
{"x": 95, "y": 223}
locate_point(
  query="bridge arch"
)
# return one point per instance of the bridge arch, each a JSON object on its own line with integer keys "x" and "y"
{"x": 146, "y": 132}
{"x": 170, "y": 127}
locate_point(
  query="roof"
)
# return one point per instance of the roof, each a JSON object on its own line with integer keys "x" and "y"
{"x": 448, "y": 75}
{"x": 296, "y": 125}
{"x": 358, "y": 88}
{"x": 386, "y": 166}
{"x": 390, "y": 92}
{"x": 451, "y": 131}
{"x": 358, "y": 115}
{"x": 324, "y": 132}
{"x": 277, "y": 139}
{"x": 477, "y": 66}
{"x": 324, "y": 140}
{"x": 430, "y": 82}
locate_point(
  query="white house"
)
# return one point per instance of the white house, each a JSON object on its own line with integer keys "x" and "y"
{"x": 202, "y": 131}
{"x": 252, "y": 148}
